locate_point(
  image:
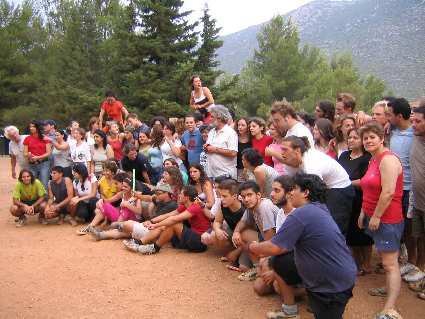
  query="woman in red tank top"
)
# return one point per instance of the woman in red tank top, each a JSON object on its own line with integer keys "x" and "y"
{"x": 381, "y": 214}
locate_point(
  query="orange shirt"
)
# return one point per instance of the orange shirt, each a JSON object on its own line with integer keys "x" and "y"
{"x": 113, "y": 110}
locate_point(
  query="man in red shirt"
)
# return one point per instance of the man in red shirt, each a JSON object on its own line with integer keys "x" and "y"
{"x": 114, "y": 109}
{"x": 171, "y": 227}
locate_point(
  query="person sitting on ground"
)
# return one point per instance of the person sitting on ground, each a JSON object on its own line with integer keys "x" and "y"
{"x": 60, "y": 192}
{"x": 107, "y": 186}
{"x": 228, "y": 214}
{"x": 136, "y": 161}
{"x": 259, "y": 140}
{"x": 16, "y": 149}
{"x": 323, "y": 260}
{"x": 80, "y": 150}
{"x": 172, "y": 227}
{"x": 83, "y": 203}
{"x": 257, "y": 223}
{"x": 29, "y": 197}
{"x": 170, "y": 162}
{"x": 130, "y": 209}
{"x": 173, "y": 177}
{"x": 256, "y": 170}
{"x": 163, "y": 204}
{"x": 101, "y": 152}
{"x": 113, "y": 108}
{"x": 203, "y": 185}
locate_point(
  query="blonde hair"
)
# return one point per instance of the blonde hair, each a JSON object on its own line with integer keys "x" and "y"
{"x": 9, "y": 129}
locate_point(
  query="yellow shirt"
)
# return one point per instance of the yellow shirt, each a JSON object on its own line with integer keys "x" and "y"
{"x": 29, "y": 192}
{"x": 106, "y": 188}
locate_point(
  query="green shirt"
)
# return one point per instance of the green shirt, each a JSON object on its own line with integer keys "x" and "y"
{"x": 32, "y": 191}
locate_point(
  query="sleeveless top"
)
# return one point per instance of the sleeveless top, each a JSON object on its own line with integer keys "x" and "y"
{"x": 201, "y": 100}
{"x": 116, "y": 145}
{"x": 59, "y": 190}
{"x": 371, "y": 187}
{"x": 232, "y": 218}
{"x": 61, "y": 157}
{"x": 98, "y": 158}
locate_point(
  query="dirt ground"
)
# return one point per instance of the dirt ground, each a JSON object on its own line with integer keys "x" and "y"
{"x": 50, "y": 272}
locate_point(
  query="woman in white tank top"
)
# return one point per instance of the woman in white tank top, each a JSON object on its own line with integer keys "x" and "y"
{"x": 200, "y": 98}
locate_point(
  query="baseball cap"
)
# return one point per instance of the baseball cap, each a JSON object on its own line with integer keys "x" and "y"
{"x": 162, "y": 187}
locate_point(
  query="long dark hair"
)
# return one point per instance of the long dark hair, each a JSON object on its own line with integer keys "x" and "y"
{"x": 104, "y": 138}
{"x": 176, "y": 176}
{"x": 81, "y": 170}
{"x": 26, "y": 171}
{"x": 203, "y": 178}
{"x": 39, "y": 127}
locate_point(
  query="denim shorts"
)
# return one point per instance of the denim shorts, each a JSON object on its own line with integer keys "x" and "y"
{"x": 387, "y": 237}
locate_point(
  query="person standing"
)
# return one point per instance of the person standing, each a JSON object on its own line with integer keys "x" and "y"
{"x": 244, "y": 141}
{"x": 80, "y": 150}
{"x": 113, "y": 108}
{"x": 16, "y": 149}
{"x": 381, "y": 215}
{"x": 260, "y": 141}
{"x": 37, "y": 150}
{"x": 221, "y": 145}
{"x": 192, "y": 140}
{"x": 200, "y": 98}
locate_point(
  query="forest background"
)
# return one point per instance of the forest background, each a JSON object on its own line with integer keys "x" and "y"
{"x": 58, "y": 57}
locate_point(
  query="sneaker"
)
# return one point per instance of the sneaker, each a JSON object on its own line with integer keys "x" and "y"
{"x": 406, "y": 268}
{"x": 280, "y": 314}
{"x": 414, "y": 275}
{"x": 147, "y": 249}
{"x": 131, "y": 245}
{"x": 389, "y": 314}
{"x": 21, "y": 221}
{"x": 417, "y": 286}
{"x": 85, "y": 230}
{"x": 97, "y": 235}
{"x": 248, "y": 275}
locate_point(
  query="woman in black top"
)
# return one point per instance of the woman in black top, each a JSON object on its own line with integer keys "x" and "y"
{"x": 355, "y": 161}
{"x": 244, "y": 142}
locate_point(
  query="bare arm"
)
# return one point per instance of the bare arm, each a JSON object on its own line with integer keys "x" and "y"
{"x": 218, "y": 221}
{"x": 172, "y": 220}
{"x": 13, "y": 165}
{"x": 208, "y": 190}
{"x": 109, "y": 152}
{"x": 209, "y": 96}
{"x": 390, "y": 169}
{"x": 92, "y": 193}
{"x": 265, "y": 248}
{"x": 102, "y": 112}
{"x": 160, "y": 218}
{"x": 260, "y": 178}
{"x": 69, "y": 192}
{"x": 146, "y": 177}
{"x": 268, "y": 234}
{"x": 273, "y": 153}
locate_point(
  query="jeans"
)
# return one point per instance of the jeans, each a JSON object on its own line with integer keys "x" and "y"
{"x": 41, "y": 171}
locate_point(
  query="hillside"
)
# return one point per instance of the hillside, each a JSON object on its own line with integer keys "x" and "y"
{"x": 385, "y": 37}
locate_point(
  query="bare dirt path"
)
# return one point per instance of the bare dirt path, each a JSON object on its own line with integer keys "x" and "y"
{"x": 50, "y": 272}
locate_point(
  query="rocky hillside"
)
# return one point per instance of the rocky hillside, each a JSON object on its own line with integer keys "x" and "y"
{"x": 385, "y": 37}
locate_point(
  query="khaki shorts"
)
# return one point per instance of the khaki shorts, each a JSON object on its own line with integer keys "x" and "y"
{"x": 139, "y": 231}
{"x": 418, "y": 223}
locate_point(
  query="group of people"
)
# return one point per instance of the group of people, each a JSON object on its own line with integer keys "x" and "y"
{"x": 297, "y": 201}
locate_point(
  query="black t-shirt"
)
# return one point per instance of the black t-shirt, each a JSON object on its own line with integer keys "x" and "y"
{"x": 241, "y": 148}
{"x": 232, "y": 218}
{"x": 164, "y": 208}
{"x": 140, "y": 164}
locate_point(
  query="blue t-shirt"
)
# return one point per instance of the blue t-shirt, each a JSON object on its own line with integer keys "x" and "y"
{"x": 193, "y": 142}
{"x": 322, "y": 257}
{"x": 400, "y": 144}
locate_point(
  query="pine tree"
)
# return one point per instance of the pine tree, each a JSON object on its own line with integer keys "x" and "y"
{"x": 206, "y": 63}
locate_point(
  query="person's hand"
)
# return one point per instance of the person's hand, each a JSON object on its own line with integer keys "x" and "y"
{"x": 74, "y": 201}
{"x": 237, "y": 239}
{"x": 361, "y": 118}
{"x": 26, "y": 208}
{"x": 374, "y": 223}
{"x": 31, "y": 210}
{"x": 210, "y": 149}
{"x": 360, "y": 220}
{"x": 14, "y": 174}
{"x": 268, "y": 277}
{"x": 53, "y": 208}
{"x": 147, "y": 223}
{"x": 152, "y": 226}
{"x": 124, "y": 205}
{"x": 221, "y": 235}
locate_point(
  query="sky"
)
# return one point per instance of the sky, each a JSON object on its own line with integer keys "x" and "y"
{"x": 236, "y": 15}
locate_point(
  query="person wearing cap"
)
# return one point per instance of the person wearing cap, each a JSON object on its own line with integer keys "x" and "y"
{"x": 50, "y": 128}
{"x": 113, "y": 108}
{"x": 16, "y": 149}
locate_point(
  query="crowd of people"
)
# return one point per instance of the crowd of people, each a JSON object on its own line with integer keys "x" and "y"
{"x": 296, "y": 201}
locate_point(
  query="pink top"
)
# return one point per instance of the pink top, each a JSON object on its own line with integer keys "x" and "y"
{"x": 278, "y": 166}
{"x": 371, "y": 187}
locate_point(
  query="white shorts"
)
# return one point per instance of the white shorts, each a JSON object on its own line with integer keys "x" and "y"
{"x": 139, "y": 231}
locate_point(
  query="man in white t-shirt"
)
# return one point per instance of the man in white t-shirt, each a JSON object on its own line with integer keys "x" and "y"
{"x": 286, "y": 122}
{"x": 222, "y": 145}
{"x": 16, "y": 148}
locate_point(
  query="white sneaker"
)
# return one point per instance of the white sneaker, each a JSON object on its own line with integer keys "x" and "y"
{"x": 147, "y": 249}
{"x": 414, "y": 275}
{"x": 406, "y": 268}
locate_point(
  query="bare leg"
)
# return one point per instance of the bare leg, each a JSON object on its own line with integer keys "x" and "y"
{"x": 168, "y": 233}
{"x": 366, "y": 251}
{"x": 260, "y": 286}
{"x": 16, "y": 211}
{"x": 286, "y": 292}
{"x": 114, "y": 234}
{"x": 98, "y": 218}
{"x": 393, "y": 278}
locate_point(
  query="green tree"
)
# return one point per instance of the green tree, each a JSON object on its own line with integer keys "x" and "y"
{"x": 206, "y": 64}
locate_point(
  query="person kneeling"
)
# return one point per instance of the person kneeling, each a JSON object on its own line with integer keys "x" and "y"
{"x": 29, "y": 198}
{"x": 171, "y": 227}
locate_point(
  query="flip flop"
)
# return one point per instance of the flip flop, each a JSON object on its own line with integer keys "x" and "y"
{"x": 378, "y": 292}
{"x": 234, "y": 268}
{"x": 421, "y": 295}
{"x": 224, "y": 259}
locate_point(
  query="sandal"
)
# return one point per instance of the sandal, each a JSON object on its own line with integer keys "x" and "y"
{"x": 421, "y": 295}
{"x": 378, "y": 292}
{"x": 224, "y": 259}
{"x": 417, "y": 286}
{"x": 249, "y": 275}
{"x": 234, "y": 267}
{"x": 389, "y": 314}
